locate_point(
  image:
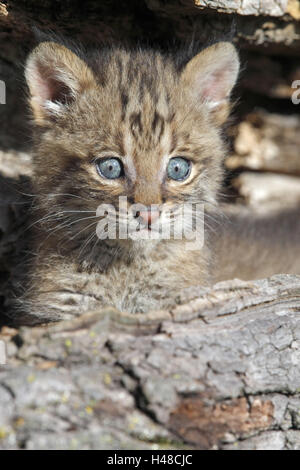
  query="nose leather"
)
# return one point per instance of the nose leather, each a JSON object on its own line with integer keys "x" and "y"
{"x": 148, "y": 216}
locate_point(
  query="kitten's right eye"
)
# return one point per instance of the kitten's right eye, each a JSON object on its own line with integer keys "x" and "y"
{"x": 110, "y": 168}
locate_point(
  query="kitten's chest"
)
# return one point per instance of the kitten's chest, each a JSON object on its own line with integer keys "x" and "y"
{"x": 146, "y": 282}
{"x": 150, "y": 282}
{"x": 143, "y": 285}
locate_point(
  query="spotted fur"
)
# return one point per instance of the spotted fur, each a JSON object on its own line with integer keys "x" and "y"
{"x": 143, "y": 107}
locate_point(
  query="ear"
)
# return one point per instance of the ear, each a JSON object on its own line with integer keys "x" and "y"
{"x": 55, "y": 77}
{"x": 210, "y": 76}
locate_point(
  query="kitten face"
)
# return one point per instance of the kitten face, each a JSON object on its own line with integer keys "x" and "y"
{"x": 114, "y": 128}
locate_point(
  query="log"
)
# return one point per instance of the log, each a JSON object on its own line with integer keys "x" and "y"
{"x": 220, "y": 371}
{"x": 271, "y": 24}
{"x": 266, "y": 192}
{"x": 267, "y": 142}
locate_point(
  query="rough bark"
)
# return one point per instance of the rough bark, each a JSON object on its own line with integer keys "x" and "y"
{"x": 220, "y": 371}
{"x": 273, "y": 24}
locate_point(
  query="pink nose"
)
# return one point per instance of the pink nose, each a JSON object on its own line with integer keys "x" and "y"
{"x": 149, "y": 216}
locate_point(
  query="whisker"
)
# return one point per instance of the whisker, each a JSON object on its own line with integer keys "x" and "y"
{"x": 86, "y": 243}
{"x": 69, "y": 223}
{"x": 55, "y": 216}
{"x": 68, "y": 194}
{"x": 67, "y": 239}
{"x": 85, "y": 228}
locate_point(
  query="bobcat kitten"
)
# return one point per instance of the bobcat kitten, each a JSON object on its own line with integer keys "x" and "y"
{"x": 137, "y": 124}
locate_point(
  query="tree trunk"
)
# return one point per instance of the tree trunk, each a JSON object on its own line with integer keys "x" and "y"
{"x": 219, "y": 372}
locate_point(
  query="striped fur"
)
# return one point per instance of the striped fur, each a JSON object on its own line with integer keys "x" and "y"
{"x": 144, "y": 108}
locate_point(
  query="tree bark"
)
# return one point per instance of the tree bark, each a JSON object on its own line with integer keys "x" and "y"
{"x": 218, "y": 372}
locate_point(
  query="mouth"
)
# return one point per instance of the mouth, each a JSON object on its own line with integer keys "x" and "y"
{"x": 143, "y": 229}
{"x": 144, "y": 232}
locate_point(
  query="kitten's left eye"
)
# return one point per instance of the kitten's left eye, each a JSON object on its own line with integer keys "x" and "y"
{"x": 110, "y": 168}
{"x": 178, "y": 168}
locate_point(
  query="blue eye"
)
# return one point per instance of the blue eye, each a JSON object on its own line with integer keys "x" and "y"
{"x": 178, "y": 168}
{"x": 110, "y": 168}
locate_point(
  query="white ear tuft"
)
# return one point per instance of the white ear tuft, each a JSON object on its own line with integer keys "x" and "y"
{"x": 55, "y": 77}
{"x": 210, "y": 76}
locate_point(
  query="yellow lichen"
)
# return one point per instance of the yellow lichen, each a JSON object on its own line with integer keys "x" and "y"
{"x": 89, "y": 410}
{"x": 31, "y": 378}
{"x": 3, "y": 433}
{"x": 107, "y": 379}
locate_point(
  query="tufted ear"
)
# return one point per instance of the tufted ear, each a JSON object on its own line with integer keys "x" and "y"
{"x": 55, "y": 77}
{"x": 210, "y": 76}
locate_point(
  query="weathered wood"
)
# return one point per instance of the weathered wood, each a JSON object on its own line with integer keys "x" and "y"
{"x": 221, "y": 371}
{"x": 267, "y": 191}
{"x": 273, "y": 24}
{"x": 267, "y": 142}
{"x": 256, "y": 7}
